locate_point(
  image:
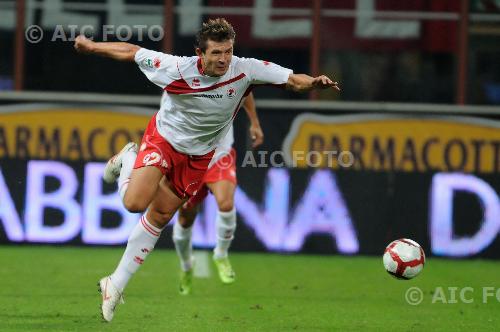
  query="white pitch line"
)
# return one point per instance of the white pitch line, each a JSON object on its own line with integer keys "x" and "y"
{"x": 202, "y": 264}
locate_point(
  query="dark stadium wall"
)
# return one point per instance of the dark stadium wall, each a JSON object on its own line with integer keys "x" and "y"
{"x": 431, "y": 178}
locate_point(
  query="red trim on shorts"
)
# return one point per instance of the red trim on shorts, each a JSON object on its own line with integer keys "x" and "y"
{"x": 148, "y": 141}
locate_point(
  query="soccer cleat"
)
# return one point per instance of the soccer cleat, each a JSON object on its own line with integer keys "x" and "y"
{"x": 186, "y": 282}
{"x": 114, "y": 165}
{"x": 111, "y": 296}
{"x": 226, "y": 272}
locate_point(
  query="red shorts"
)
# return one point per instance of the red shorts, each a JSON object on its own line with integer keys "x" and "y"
{"x": 223, "y": 169}
{"x": 185, "y": 172}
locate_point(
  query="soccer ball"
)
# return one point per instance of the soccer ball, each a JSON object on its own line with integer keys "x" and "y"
{"x": 404, "y": 259}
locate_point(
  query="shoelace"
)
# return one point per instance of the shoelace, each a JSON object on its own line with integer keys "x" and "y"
{"x": 120, "y": 300}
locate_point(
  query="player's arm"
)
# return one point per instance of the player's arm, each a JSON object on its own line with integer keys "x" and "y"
{"x": 118, "y": 51}
{"x": 255, "y": 130}
{"x": 304, "y": 83}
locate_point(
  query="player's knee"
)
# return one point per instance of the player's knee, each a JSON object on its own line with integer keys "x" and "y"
{"x": 226, "y": 205}
{"x": 160, "y": 218}
{"x": 134, "y": 205}
{"x": 186, "y": 217}
{"x": 185, "y": 222}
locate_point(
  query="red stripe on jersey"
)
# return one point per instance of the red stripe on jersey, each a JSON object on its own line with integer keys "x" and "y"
{"x": 247, "y": 92}
{"x": 181, "y": 87}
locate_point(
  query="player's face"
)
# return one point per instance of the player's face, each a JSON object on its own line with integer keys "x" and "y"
{"x": 217, "y": 57}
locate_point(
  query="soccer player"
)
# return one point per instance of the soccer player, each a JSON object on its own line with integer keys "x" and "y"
{"x": 204, "y": 92}
{"x": 220, "y": 179}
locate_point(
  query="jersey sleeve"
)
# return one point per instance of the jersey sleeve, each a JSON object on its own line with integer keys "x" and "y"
{"x": 265, "y": 72}
{"x": 159, "y": 68}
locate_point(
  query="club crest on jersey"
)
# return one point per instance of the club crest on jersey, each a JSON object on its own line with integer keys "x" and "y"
{"x": 231, "y": 92}
{"x": 195, "y": 82}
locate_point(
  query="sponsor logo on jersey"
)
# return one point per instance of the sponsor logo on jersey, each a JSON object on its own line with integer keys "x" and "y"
{"x": 231, "y": 92}
{"x": 196, "y": 82}
{"x": 148, "y": 63}
{"x": 204, "y": 95}
{"x": 157, "y": 62}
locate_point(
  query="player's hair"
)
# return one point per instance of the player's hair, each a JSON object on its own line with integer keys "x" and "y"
{"x": 218, "y": 30}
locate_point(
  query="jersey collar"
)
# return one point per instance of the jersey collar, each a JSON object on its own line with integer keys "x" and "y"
{"x": 200, "y": 66}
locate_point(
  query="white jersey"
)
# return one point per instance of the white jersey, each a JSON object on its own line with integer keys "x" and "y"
{"x": 197, "y": 111}
{"x": 225, "y": 145}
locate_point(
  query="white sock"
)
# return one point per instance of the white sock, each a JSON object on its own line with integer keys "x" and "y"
{"x": 128, "y": 161}
{"x": 226, "y": 225}
{"x": 140, "y": 243}
{"x": 182, "y": 241}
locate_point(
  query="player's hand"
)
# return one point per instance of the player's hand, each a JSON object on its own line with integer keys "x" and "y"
{"x": 256, "y": 135}
{"x": 83, "y": 44}
{"x": 323, "y": 82}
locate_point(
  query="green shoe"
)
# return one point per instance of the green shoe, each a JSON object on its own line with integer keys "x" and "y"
{"x": 186, "y": 282}
{"x": 226, "y": 272}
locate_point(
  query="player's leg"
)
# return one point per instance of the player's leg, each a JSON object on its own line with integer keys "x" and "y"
{"x": 143, "y": 185}
{"x": 181, "y": 236}
{"x": 226, "y": 225}
{"x": 138, "y": 172}
{"x": 140, "y": 243}
{"x": 136, "y": 187}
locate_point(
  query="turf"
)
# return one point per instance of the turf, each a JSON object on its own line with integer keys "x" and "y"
{"x": 54, "y": 289}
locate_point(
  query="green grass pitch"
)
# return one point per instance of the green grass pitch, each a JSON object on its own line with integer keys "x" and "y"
{"x": 54, "y": 289}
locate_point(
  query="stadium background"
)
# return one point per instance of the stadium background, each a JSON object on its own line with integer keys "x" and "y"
{"x": 419, "y": 109}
